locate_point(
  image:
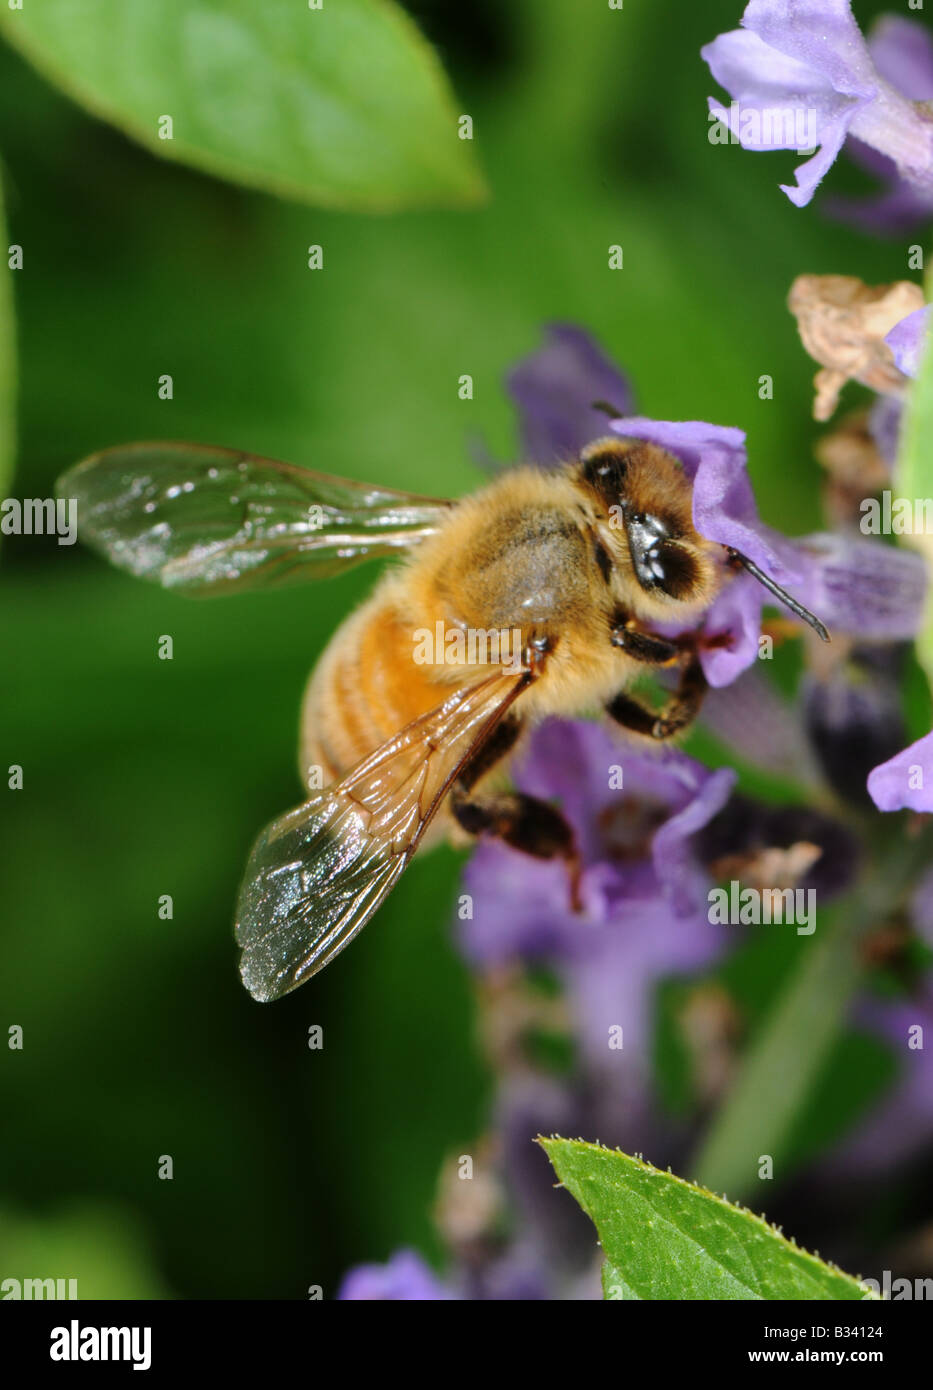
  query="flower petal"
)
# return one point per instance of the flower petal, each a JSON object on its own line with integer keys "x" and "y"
{"x": 831, "y": 137}
{"x": 897, "y": 207}
{"x": 579, "y": 764}
{"x": 724, "y": 508}
{"x": 754, "y": 72}
{"x": 856, "y": 586}
{"x": 822, "y": 34}
{"x": 905, "y": 780}
{"x": 908, "y": 340}
{"x": 862, "y": 586}
{"x": 799, "y": 73}
{"x": 554, "y": 389}
{"x": 902, "y": 52}
{"x": 732, "y": 628}
{"x": 681, "y": 879}
{"x": 802, "y": 76}
{"x": 521, "y": 906}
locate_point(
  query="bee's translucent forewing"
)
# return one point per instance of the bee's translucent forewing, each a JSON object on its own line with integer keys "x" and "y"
{"x": 317, "y": 874}
{"x": 208, "y": 520}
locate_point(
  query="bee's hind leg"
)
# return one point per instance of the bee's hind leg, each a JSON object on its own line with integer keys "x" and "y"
{"x": 676, "y": 715}
{"x": 524, "y": 822}
{"x": 521, "y": 821}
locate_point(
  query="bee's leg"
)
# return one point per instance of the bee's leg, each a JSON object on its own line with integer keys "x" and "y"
{"x": 644, "y": 646}
{"x": 679, "y": 712}
{"x": 521, "y": 821}
{"x": 524, "y": 822}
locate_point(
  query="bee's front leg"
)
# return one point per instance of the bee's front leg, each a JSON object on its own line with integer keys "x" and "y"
{"x": 677, "y": 714}
{"x": 644, "y": 646}
{"x": 648, "y": 647}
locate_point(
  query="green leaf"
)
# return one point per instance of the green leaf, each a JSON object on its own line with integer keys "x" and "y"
{"x": 614, "y": 1283}
{"x": 915, "y": 475}
{"x": 7, "y": 365}
{"x": 345, "y": 105}
{"x": 667, "y": 1239}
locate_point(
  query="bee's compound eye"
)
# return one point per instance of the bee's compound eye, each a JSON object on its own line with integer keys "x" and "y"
{"x": 660, "y": 562}
{"x": 672, "y": 569}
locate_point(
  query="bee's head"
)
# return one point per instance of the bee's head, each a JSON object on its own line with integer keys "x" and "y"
{"x": 643, "y": 500}
{"x": 644, "y": 507}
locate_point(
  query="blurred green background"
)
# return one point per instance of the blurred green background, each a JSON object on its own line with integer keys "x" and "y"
{"x": 145, "y": 777}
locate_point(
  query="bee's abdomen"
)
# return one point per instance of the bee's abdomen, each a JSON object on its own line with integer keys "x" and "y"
{"x": 365, "y": 688}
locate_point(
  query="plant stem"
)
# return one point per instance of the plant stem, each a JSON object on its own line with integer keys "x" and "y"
{"x": 783, "y": 1063}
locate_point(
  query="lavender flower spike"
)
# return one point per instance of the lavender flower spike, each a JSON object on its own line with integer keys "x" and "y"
{"x": 905, "y": 781}
{"x": 642, "y": 893}
{"x": 801, "y": 76}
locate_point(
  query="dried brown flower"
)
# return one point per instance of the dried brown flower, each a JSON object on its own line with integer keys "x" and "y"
{"x": 842, "y": 323}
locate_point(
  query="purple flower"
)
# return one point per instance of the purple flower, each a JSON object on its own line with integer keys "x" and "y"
{"x": 852, "y": 585}
{"x": 554, "y": 390}
{"x": 902, "y": 52}
{"x": 643, "y": 910}
{"x": 896, "y": 209}
{"x": 908, "y": 339}
{"x": 906, "y": 780}
{"x": 801, "y": 76}
{"x": 403, "y": 1278}
{"x": 860, "y": 586}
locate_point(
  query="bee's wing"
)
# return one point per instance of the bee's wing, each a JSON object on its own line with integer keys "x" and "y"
{"x": 317, "y": 874}
{"x": 207, "y": 520}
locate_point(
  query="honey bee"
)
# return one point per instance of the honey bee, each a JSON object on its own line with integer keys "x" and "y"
{"x": 575, "y": 564}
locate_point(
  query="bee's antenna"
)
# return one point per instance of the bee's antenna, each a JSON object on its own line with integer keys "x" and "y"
{"x": 739, "y": 559}
{"x": 609, "y": 409}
